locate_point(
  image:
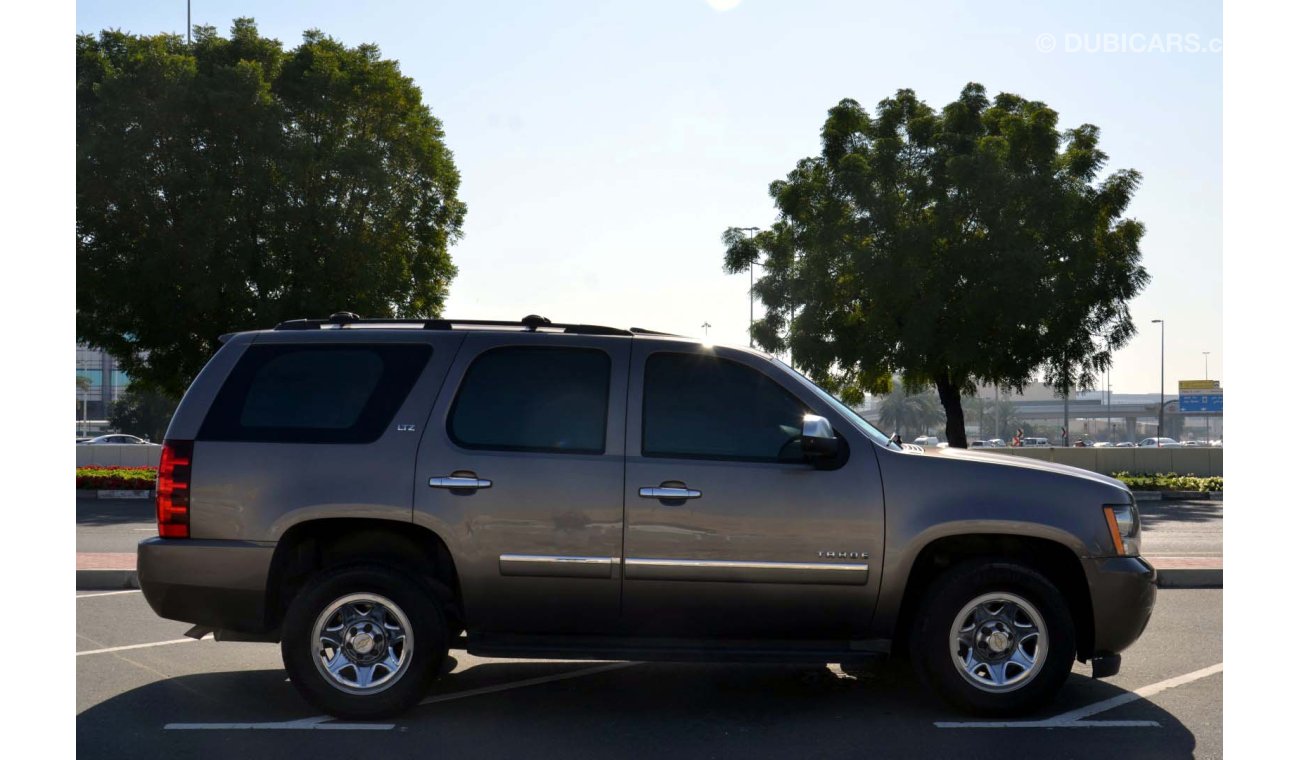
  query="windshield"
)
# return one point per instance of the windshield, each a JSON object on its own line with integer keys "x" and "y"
{"x": 853, "y": 417}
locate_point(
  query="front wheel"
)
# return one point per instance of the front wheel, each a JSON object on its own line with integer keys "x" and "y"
{"x": 994, "y": 638}
{"x": 363, "y": 642}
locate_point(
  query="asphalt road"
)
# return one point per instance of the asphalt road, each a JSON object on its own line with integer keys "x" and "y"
{"x": 114, "y": 525}
{"x": 211, "y": 699}
{"x": 1182, "y": 528}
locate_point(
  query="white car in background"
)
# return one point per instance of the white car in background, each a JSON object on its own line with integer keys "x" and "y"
{"x": 1164, "y": 443}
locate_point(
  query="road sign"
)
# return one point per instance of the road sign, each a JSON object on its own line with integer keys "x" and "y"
{"x": 1200, "y": 397}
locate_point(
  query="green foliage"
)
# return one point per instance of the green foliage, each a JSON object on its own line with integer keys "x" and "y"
{"x": 977, "y": 244}
{"x": 232, "y": 184}
{"x": 1145, "y": 481}
{"x": 142, "y": 412}
{"x": 117, "y": 478}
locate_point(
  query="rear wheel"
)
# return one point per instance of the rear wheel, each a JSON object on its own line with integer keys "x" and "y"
{"x": 994, "y": 638}
{"x": 364, "y": 641}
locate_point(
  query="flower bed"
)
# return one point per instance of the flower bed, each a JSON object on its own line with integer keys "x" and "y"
{"x": 1169, "y": 481}
{"x": 101, "y": 478}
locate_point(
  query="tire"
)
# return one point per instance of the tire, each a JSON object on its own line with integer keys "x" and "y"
{"x": 1012, "y": 648}
{"x": 390, "y": 639}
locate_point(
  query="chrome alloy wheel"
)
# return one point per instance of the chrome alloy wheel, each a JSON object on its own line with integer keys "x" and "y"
{"x": 998, "y": 642}
{"x": 363, "y": 643}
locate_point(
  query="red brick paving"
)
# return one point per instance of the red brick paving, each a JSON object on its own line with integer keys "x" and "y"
{"x": 105, "y": 560}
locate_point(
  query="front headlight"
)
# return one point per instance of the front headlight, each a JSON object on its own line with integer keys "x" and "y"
{"x": 1125, "y": 528}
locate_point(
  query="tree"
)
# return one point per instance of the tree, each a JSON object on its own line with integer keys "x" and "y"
{"x": 973, "y": 245}
{"x": 142, "y": 412}
{"x": 231, "y": 184}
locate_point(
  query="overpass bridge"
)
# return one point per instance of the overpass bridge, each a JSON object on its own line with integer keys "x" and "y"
{"x": 1118, "y": 420}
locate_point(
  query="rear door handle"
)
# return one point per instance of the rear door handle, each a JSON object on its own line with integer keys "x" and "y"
{"x": 660, "y": 492}
{"x": 459, "y": 481}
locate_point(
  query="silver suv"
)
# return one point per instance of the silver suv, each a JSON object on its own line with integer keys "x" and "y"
{"x": 370, "y": 493}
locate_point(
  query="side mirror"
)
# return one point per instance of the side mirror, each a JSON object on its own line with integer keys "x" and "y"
{"x": 818, "y": 439}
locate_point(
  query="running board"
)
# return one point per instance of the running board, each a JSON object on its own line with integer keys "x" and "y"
{"x": 669, "y": 650}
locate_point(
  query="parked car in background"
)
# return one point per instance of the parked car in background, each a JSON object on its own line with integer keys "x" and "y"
{"x": 1035, "y": 443}
{"x": 1103, "y": 445}
{"x": 116, "y": 438}
{"x": 1126, "y": 445}
{"x": 1164, "y": 443}
{"x": 997, "y": 443}
{"x": 926, "y": 440}
{"x": 979, "y": 445}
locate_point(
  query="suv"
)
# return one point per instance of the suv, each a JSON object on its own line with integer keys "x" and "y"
{"x": 369, "y": 493}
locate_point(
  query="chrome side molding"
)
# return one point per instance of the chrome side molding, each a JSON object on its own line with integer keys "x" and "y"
{"x": 551, "y": 566}
{"x": 824, "y": 573}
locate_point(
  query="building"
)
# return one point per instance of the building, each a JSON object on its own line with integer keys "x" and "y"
{"x": 105, "y": 384}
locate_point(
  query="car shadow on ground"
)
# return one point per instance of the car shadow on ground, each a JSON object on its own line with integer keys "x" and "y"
{"x": 642, "y": 710}
{"x": 114, "y": 511}
{"x": 1156, "y": 512}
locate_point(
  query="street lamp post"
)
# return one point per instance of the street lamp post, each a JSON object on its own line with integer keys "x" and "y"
{"x": 1160, "y": 420}
{"x": 1206, "y": 354}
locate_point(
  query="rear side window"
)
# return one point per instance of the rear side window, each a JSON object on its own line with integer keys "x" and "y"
{"x": 704, "y": 407}
{"x": 314, "y": 393}
{"x": 533, "y": 399}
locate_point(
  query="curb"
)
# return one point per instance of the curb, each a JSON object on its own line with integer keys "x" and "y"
{"x": 1190, "y": 578}
{"x": 107, "y": 580}
{"x": 1178, "y": 495}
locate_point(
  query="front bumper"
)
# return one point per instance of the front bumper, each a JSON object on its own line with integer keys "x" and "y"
{"x": 1123, "y": 593}
{"x": 219, "y": 584}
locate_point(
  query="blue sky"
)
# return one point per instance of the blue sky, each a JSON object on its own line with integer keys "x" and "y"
{"x": 604, "y": 147}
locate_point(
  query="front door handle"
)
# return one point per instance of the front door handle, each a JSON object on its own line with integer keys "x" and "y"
{"x": 458, "y": 482}
{"x": 670, "y": 494}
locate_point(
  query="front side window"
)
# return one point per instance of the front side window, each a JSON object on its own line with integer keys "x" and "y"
{"x": 703, "y": 407}
{"x": 314, "y": 393}
{"x": 525, "y": 398}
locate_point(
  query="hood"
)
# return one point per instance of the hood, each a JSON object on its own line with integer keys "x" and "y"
{"x": 1025, "y": 463}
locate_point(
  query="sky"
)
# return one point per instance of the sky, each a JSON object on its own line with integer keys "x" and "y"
{"x": 604, "y": 147}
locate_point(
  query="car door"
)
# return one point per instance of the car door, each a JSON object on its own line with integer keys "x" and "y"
{"x": 521, "y": 472}
{"x": 757, "y": 543}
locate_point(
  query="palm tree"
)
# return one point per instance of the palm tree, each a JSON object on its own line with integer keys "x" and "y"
{"x": 910, "y": 414}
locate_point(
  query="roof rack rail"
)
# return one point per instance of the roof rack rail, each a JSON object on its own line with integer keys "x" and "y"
{"x": 530, "y": 323}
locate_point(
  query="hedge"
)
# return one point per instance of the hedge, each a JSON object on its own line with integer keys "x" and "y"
{"x": 104, "y": 478}
{"x": 1169, "y": 481}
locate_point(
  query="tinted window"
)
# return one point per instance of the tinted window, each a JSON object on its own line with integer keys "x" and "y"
{"x": 703, "y": 407}
{"x": 314, "y": 394}
{"x": 533, "y": 399}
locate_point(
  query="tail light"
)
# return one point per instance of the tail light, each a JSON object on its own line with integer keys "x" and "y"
{"x": 173, "y": 500}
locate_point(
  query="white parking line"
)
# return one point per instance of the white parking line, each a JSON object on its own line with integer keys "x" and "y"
{"x": 321, "y": 721}
{"x": 109, "y": 593}
{"x": 1075, "y": 718}
{"x": 137, "y": 646}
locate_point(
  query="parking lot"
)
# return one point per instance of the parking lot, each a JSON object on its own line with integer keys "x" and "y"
{"x": 143, "y": 689}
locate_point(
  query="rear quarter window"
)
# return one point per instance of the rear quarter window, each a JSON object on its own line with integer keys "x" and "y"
{"x": 314, "y": 393}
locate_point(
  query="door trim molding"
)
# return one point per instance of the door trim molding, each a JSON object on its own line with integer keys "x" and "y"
{"x": 556, "y": 566}
{"x": 737, "y": 571}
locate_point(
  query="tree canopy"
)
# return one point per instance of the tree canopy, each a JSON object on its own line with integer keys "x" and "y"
{"x": 976, "y": 244}
{"x": 231, "y": 184}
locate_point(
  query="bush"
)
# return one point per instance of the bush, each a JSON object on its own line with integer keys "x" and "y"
{"x": 104, "y": 478}
{"x": 1169, "y": 481}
